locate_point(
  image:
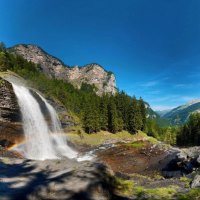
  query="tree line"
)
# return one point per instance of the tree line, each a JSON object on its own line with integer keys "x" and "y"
{"x": 114, "y": 113}
{"x": 189, "y": 133}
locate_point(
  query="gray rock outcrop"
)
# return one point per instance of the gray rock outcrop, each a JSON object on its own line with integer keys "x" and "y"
{"x": 10, "y": 116}
{"x": 92, "y": 74}
{"x": 196, "y": 182}
{"x": 56, "y": 179}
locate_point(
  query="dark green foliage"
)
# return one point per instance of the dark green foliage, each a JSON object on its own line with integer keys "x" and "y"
{"x": 134, "y": 116}
{"x": 152, "y": 128}
{"x": 3, "y": 61}
{"x": 112, "y": 113}
{"x": 189, "y": 133}
{"x": 185, "y": 135}
{"x": 2, "y": 47}
{"x": 143, "y": 113}
{"x": 115, "y": 122}
{"x": 103, "y": 108}
{"x": 123, "y": 102}
{"x": 166, "y": 134}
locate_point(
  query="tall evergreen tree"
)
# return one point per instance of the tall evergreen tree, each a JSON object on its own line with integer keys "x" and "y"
{"x": 143, "y": 113}
{"x": 135, "y": 118}
{"x": 112, "y": 116}
{"x": 104, "y": 113}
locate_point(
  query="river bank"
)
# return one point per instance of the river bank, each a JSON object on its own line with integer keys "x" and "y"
{"x": 128, "y": 167}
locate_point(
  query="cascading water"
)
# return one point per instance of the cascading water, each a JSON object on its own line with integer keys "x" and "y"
{"x": 41, "y": 143}
{"x": 38, "y": 144}
{"x": 60, "y": 142}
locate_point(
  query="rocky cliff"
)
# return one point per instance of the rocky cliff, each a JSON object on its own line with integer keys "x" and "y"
{"x": 92, "y": 74}
{"x": 10, "y": 117}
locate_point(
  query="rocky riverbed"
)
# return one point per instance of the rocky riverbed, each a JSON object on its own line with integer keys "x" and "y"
{"x": 154, "y": 166}
{"x": 136, "y": 170}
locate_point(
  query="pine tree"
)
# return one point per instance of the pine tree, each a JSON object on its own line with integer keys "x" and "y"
{"x": 2, "y": 47}
{"x": 143, "y": 113}
{"x": 103, "y": 108}
{"x": 3, "y": 61}
{"x": 112, "y": 116}
{"x": 135, "y": 118}
{"x": 88, "y": 120}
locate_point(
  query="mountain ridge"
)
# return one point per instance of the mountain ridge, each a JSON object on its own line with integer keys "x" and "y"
{"x": 180, "y": 114}
{"x": 93, "y": 74}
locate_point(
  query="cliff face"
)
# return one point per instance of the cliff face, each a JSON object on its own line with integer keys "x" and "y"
{"x": 10, "y": 116}
{"x": 91, "y": 74}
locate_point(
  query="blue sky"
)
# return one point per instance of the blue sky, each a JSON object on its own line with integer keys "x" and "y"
{"x": 153, "y": 47}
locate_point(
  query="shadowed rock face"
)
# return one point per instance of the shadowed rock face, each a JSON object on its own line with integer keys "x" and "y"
{"x": 10, "y": 116}
{"x": 91, "y": 74}
{"x": 56, "y": 179}
{"x": 9, "y": 109}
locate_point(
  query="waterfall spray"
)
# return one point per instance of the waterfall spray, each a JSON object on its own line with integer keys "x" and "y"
{"x": 60, "y": 142}
{"x": 41, "y": 143}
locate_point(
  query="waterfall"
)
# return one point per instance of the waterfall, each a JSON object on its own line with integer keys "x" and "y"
{"x": 60, "y": 142}
{"x": 41, "y": 143}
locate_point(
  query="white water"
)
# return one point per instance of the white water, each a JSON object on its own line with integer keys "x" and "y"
{"x": 60, "y": 142}
{"x": 38, "y": 144}
{"x": 42, "y": 143}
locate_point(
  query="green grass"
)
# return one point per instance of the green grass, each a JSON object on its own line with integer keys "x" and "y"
{"x": 135, "y": 145}
{"x": 193, "y": 194}
{"x": 157, "y": 193}
{"x": 127, "y": 187}
{"x": 101, "y": 137}
{"x": 186, "y": 181}
{"x": 124, "y": 187}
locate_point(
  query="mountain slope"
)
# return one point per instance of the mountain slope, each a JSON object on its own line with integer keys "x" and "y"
{"x": 151, "y": 114}
{"x": 92, "y": 74}
{"x": 180, "y": 114}
{"x": 162, "y": 112}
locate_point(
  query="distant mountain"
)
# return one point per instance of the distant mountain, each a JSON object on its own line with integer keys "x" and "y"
{"x": 162, "y": 112}
{"x": 180, "y": 114}
{"x": 151, "y": 114}
{"x": 92, "y": 74}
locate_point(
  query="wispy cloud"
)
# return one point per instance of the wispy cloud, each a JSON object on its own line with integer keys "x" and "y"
{"x": 189, "y": 98}
{"x": 185, "y": 85}
{"x": 194, "y": 74}
{"x": 180, "y": 85}
{"x": 165, "y": 98}
{"x": 154, "y": 92}
{"x": 162, "y": 107}
{"x": 150, "y": 84}
{"x": 154, "y": 82}
{"x": 172, "y": 101}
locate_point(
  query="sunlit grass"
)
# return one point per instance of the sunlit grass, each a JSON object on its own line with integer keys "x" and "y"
{"x": 80, "y": 137}
{"x": 135, "y": 145}
{"x": 155, "y": 193}
{"x": 193, "y": 194}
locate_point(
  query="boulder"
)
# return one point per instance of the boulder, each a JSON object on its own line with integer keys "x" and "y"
{"x": 182, "y": 156}
{"x": 196, "y": 182}
{"x": 198, "y": 160}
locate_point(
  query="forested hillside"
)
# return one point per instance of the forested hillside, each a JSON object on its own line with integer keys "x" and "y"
{"x": 180, "y": 115}
{"x": 189, "y": 133}
{"x": 108, "y": 112}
